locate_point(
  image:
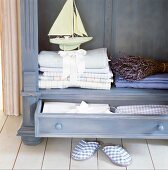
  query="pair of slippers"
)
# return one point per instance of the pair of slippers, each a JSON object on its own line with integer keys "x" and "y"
{"x": 117, "y": 154}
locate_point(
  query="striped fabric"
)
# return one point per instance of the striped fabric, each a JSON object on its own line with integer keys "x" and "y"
{"x": 82, "y": 79}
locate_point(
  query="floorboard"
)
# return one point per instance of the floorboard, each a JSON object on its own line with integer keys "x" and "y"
{"x": 141, "y": 159}
{"x": 159, "y": 153}
{"x": 57, "y": 154}
{"x": 9, "y": 142}
{"x": 30, "y": 157}
{"x": 3, "y": 119}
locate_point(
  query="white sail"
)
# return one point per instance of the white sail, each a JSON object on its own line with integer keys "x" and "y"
{"x": 78, "y": 25}
{"x": 69, "y": 23}
{"x": 63, "y": 25}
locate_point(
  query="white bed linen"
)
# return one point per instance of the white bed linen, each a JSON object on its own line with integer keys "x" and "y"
{"x": 83, "y": 107}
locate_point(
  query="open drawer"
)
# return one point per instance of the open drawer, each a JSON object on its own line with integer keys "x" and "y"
{"x": 99, "y": 125}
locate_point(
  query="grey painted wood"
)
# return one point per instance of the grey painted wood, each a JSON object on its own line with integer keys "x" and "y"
{"x": 26, "y": 131}
{"x": 29, "y": 39}
{"x": 137, "y": 27}
{"x": 140, "y": 28}
{"x": 100, "y": 125}
{"x": 29, "y": 28}
{"x": 38, "y": 110}
{"x": 29, "y": 79}
{"x": 29, "y": 107}
{"x": 108, "y": 26}
{"x": 27, "y": 134}
{"x": 31, "y": 140}
{"x": 115, "y": 96}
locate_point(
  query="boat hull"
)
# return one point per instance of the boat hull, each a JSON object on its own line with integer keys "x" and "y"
{"x": 68, "y": 44}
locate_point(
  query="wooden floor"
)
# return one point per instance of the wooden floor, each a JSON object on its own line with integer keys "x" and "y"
{"x": 55, "y": 153}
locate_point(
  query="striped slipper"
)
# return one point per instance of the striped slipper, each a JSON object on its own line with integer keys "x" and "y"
{"x": 118, "y": 155}
{"x": 84, "y": 150}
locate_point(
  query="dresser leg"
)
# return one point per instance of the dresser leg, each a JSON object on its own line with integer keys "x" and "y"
{"x": 28, "y": 135}
{"x": 31, "y": 141}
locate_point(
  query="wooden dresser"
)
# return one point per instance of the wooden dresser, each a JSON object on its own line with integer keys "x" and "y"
{"x": 136, "y": 27}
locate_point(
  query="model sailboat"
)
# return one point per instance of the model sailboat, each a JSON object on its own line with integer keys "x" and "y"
{"x": 68, "y": 28}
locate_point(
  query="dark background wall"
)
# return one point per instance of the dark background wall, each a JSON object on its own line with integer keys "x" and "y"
{"x": 136, "y": 27}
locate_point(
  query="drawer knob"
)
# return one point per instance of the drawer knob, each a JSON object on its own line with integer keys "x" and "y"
{"x": 160, "y": 127}
{"x": 58, "y": 126}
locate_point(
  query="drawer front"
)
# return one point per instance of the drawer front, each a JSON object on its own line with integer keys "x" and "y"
{"x": 53, "y": 126}
{"x": 75, "y": 125}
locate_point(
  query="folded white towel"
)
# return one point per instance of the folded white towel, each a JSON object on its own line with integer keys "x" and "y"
{"x": 60, "y": 70}
{"x": 93, "y": 59}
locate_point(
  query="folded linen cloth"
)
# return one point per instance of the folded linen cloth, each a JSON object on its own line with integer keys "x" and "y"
{"x": 91, "y": 75}
{"x": 143, "y": 109}
{"x": 83, "y": 107}
{"x": 53, "y": 59}
{"x": 158, "y": 81}
{"x": 105, "y": 70}
{"x": 142, "y": 85}
{"x": 82, "y": 79}
{"x": 65, "y": 84}
{"x": 154, "y": 78}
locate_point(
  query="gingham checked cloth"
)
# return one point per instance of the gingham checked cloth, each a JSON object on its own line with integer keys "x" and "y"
{"x": 84, "y": 150}
{"x": 143, "y": 109}
{"x": 118, "y": 155}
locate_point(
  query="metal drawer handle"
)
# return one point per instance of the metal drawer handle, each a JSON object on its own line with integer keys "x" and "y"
{"x": 58, "y": 126}
{"x": 160, "y": 127}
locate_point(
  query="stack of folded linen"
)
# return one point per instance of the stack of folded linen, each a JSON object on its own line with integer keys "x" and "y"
{"x": 88, "y": 71}
{"x": 158, "y": 81}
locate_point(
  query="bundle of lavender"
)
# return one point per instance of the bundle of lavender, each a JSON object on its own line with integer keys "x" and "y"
{"x": 133, "y": 68}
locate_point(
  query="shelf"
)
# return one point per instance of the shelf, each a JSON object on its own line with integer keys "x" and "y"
{"x": 124, "y": 95}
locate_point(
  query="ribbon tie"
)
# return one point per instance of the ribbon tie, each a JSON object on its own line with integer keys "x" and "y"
{"x": 73, "y": 64}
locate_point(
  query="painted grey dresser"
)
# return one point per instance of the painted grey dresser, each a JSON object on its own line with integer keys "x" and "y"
{"x": 136, "y": 27}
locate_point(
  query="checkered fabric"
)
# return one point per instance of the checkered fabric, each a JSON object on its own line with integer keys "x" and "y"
{"x": 143, "y": 109}
{"x": 118, "y": 155}
{"x": 84, "y": 150}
